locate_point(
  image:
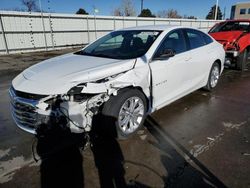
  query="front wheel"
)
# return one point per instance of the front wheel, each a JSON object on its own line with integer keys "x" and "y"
{"x": 128, "y": 110}
{"x": 214, "y": 76}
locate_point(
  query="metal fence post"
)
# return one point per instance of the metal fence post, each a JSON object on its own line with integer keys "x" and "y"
{"x": 95, "y": 27}
{"x": 42, "y": 19}
{"x": 88, "y": 29}
{"x": 123, "y": 24}
{"x": 3, "y": 35}
{"x": 114, "y": 23}
{"x": 44, "y": 34}
{"x": 51, "y": 32}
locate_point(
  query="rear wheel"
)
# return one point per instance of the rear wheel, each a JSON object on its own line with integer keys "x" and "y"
{"x": 214, "y": 76}
{"x": 128, "y": 110}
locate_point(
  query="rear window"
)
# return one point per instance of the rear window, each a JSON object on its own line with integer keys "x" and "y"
{"x": 231, "y": 26}
{"x": 196, "y": 38}
{"x": 207, "y": 38}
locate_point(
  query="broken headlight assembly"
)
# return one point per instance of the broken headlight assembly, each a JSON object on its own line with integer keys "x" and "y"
{"x": 77, "y": 108}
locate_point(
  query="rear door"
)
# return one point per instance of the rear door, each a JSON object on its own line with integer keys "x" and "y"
{"x": 200, "y": 52}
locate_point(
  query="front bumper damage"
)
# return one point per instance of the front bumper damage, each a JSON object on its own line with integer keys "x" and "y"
{"x": 231, "y": 57}
{"x": 32, "y": 114}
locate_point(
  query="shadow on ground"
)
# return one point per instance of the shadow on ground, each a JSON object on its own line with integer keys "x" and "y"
{"x": 108, "y": 155}
{"x": 62, "y": 161}
{"x": 180, "y": 171}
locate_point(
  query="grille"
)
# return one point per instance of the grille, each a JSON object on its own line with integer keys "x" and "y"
{"x": 28, "y": 95}
{"x": 24, "y": 112}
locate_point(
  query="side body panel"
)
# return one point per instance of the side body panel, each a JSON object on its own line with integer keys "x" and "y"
{"x": 183, "y": 74}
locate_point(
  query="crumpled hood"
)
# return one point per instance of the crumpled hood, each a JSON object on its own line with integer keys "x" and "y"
{"x": 228, "y": 36}
{"x": 59, "y": 74}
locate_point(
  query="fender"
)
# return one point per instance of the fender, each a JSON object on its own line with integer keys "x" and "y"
{"x": 243, "y": 42}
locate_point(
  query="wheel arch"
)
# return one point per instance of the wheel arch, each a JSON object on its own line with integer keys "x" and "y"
{"x": 148, "y": 98}
{"x": 219, "y": 62}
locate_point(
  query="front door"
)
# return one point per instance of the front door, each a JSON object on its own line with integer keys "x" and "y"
{"x": 169, "y": 76}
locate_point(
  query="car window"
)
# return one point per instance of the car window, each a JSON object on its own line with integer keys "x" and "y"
{"x": 124, "y": 44}
{"x": 195, "y": 38}
{"x": 174, "y": 41}
{"x": 110, "y": 44}
{"x": 207, "y": 38}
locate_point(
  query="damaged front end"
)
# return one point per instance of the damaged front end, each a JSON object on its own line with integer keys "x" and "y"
{"x": 73, "y": 110}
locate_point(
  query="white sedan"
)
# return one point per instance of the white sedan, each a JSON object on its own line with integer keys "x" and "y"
{"x": 119, "y": 78}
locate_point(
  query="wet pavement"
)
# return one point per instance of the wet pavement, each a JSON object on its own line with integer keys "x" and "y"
{"x": 201, "y": 140}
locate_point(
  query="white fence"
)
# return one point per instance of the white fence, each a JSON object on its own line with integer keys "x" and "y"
{"x": 23, "y": 31}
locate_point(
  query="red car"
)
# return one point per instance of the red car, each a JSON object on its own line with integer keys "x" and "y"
{"x": 234, "y": 35}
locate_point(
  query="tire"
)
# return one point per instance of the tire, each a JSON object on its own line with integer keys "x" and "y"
{"x": 213, "y": 78}
{"x": 118, "y": 115}
{"x": 242, "y": 60}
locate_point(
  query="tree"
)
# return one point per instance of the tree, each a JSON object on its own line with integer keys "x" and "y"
{"x": 126, "y": 9}
{"x": 146, "y": 13}
{"x": 162, "y": 14}
{"x": 170, "y": 13}
{"x": 211, "y": 14}
{"x": 81, "y": 11}
{"x": 30, "y": 5}
{"x": 189, "y": 17}
{"x": 117, "y": 12}
{"x": 192, "y": 17}
{"x": 15, "y": 9}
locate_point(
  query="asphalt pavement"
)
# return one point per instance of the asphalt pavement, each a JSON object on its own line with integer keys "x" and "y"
{"x": 201, "y": 140}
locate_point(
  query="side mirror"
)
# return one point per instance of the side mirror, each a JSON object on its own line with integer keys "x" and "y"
{"x": 167, "y": 53}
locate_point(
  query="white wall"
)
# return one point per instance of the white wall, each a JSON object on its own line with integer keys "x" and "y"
{"x": 23, "y": 31}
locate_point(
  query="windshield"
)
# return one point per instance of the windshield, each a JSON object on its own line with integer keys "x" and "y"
{"x": 231, "y": 26}
{"x": 122, "y": 44}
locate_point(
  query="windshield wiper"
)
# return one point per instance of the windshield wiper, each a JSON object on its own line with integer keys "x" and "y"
{"x": 92, "y": 54}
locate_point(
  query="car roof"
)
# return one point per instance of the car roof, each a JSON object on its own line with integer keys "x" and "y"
{"x": 154, "y": 27}
{"x": 237, "y": 20}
